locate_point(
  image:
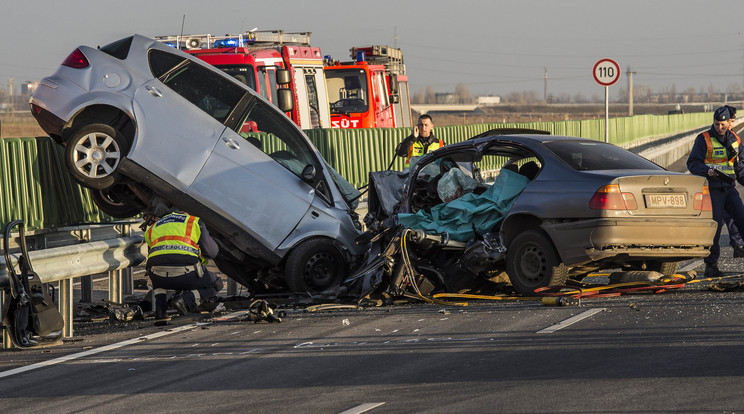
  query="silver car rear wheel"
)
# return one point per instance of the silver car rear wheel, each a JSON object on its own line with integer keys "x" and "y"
{"x": 532, "y": 262}
{"x": 93, "y": 153}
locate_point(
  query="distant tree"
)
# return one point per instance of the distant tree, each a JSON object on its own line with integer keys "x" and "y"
{"x": 431, "y": 96}
{"x": 733, "y": 90}
{"x": 688, "y": 96}
{"x": 418, "y": 97}
{"x": 462, "y": 95}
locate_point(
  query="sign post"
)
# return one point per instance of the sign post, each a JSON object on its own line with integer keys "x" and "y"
{"x": 606, "y": 72}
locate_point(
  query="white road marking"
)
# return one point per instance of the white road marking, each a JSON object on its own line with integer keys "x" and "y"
{"x": 105, "y": 348}
{"x": 572, "y": 320}
{"x": 692, "y": 265}
{"x": 361, "y": 408}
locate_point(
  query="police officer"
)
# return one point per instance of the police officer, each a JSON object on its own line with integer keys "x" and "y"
{"x": 179, "y": 245}
{"x": 715, "y": 155}
{"x": 421, "y": 141}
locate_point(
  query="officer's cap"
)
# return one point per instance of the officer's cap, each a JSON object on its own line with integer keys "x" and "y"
{"x": 724, "y": 113}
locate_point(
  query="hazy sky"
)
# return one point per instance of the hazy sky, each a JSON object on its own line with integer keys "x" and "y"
{"x": 493, "y": 46}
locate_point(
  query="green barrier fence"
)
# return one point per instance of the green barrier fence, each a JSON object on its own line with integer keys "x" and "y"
{"x": 356, "y": 152}
{"x": 37, "y": 188}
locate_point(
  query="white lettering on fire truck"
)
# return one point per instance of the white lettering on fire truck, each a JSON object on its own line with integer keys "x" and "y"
{"x": 345, "y": 123}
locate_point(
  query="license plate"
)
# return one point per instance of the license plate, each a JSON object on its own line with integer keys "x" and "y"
{"x": 666, "y": 200}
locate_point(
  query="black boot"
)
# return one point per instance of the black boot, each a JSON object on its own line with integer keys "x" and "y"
{"x": 180, "y": 304}
{"x": 712, "y": 270}
{"x": 738, "y": 251}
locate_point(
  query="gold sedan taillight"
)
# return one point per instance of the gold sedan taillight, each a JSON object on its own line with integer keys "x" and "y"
{"x": 610, "y": 197}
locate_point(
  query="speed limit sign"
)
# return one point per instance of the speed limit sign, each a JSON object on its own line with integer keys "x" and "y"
{"x": 606, "y": 72}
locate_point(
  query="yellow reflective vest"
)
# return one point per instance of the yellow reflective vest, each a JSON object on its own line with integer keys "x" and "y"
{"x": 716, "y": 156}
{"x": 174, "y": 234}
{"x": 417, "y": 149}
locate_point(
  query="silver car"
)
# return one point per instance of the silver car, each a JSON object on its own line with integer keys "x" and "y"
{"x": 139, "y": 118}
{"x": 542, "y": 208}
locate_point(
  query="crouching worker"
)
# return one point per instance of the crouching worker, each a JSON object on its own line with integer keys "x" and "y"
{"x": 179, "y": 245}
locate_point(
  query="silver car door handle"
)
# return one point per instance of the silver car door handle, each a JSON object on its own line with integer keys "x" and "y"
{"x": 154, "y": 91}
{"x": 231, "y": 143}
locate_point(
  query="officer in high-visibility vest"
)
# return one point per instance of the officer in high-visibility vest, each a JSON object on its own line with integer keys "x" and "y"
{"x": 420, "y": 142}
{"x": 179, "y": 245}
{"x": 735, "y": 239}
{"x": 715, "y": 155}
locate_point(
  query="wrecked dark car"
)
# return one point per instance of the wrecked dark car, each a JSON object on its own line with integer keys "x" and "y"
{"x": 541, "y": 208}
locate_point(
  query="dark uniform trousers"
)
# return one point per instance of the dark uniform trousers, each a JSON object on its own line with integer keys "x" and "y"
{"x": 724, "y": 198}
{"x": 192, "y": 277}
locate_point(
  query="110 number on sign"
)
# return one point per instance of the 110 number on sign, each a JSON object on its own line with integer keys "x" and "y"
{"x": 606, "y": 72}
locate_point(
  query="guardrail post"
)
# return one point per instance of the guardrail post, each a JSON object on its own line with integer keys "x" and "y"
{"x": 86, "y": 289}
{"x": 7, "y": 343}
{"x": 66, "y": 306}
{"x": 115, "y": 286}
{"x": 127, "y": 281}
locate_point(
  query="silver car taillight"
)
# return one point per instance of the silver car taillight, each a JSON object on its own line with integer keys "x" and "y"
{"x": 76, "y": 60}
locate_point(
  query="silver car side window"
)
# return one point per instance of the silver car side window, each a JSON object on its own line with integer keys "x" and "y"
{"x": 262, "y": 127}
{"x": 213, "y": 94}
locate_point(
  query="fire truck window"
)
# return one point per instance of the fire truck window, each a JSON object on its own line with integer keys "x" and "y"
{"x": 271, "y": 76}
{"x": 244, "y": 73}
{"x": 347, "y": 91}
{"x": 380, "y": 90}
{"x": 312, "y": 97}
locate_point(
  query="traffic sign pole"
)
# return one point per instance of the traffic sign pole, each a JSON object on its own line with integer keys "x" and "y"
{"x": 606, "y": 73}
{"x": 607, "y": 114}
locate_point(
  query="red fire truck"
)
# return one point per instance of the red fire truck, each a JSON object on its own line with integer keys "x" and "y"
{"x": 282, "y": 67}
{"x": 370, "y": 92}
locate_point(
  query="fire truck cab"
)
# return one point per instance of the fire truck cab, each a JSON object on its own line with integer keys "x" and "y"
{"x": 370, "y": 92}
{"x": 282, "y": 67}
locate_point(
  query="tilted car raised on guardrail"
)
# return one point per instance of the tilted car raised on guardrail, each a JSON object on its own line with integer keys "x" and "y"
{"x": 139, "y": 118}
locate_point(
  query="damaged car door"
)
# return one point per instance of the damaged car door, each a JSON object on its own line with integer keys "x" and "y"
{"x": 172, "y": 145}
{"x": 264, "y": 175}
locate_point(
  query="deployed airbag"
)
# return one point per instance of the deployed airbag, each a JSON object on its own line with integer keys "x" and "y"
{"x": 471, "y": 212}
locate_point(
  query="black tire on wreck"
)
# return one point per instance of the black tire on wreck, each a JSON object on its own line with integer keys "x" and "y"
{"x": 532, "y": 262}
{"x": 314, "y": 266}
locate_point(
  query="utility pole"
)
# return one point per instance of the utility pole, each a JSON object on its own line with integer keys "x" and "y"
{"x": 10, "y": 97}
{"x": 630, "y": 92}
{"x": 546, "y": 85}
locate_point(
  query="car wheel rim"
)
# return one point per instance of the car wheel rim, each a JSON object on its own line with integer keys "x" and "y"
{"x": 320, "y": 270}
{"x": 533, "y": 264}
{"x": 96, "y": 155}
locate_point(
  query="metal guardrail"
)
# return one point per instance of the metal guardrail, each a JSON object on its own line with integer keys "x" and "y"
{"x": 80, "y": 251}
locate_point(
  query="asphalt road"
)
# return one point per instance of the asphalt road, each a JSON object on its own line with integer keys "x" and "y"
{"x": 678, "y": 351}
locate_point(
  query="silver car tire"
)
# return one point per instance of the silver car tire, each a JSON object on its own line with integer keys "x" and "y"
{"x": 93, "y": 153}
{"x": 314, "y": 266}
{"x": 532, "y": 262}
{"x": 110, "y": 203}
